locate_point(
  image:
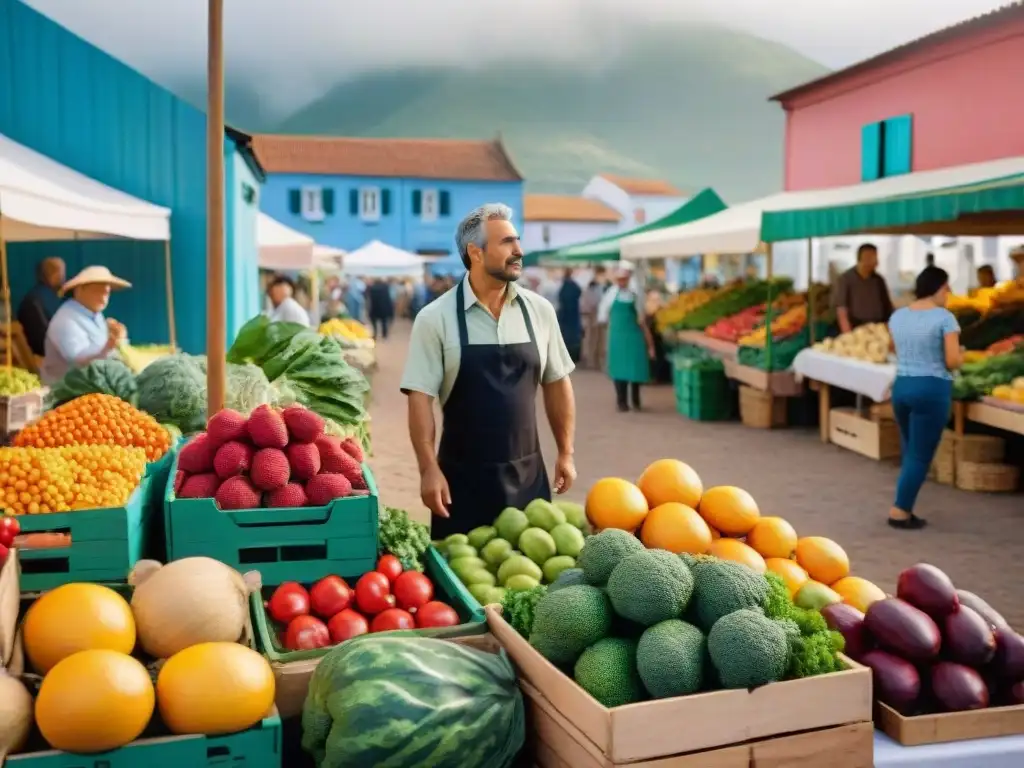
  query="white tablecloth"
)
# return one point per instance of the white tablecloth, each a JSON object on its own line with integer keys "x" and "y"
{"x": 869, "y": 379}
{"x": 1005, "y": 752}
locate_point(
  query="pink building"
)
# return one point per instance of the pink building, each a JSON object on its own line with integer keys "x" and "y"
{"x": 950, "y": 98}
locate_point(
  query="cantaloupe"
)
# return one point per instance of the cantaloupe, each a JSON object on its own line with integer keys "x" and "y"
{"x": 738, "y": 552}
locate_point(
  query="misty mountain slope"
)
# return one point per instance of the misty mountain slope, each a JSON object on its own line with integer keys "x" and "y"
{"x": 686, "y": 104}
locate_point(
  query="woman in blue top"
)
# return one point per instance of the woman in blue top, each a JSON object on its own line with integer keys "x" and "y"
{"x": 926, "y": 338}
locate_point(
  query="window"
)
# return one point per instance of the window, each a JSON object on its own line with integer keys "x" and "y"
{"x": 429, "y": 205}
{"x": 312, "y": 203}
{"x": 369, "y": 203}
{"x": 886, "y": 148}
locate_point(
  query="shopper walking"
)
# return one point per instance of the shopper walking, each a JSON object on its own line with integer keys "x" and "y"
{"x": 926, "y": 338}
{"x": 569, "y": 319}
{"x": 630, "y": 344}
{"x": 380, "y": 308}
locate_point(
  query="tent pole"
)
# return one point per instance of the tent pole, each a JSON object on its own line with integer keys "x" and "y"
{"x": 169, "y": 281}
{"x": 810, "y": 289}
{"x": 9, "y": 325}
{"x": 216, "y": 313}
{"x": 770, "y": 272}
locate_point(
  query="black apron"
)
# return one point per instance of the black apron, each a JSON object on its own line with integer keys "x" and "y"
{"x": 490, "y": 452}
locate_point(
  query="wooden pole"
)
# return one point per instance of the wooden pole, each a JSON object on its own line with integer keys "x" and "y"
{"x": 9, "y": 326}
{"x": 811, "y": 291}
{"x": 169, "y": 290}
{"x": 216, "y": 314}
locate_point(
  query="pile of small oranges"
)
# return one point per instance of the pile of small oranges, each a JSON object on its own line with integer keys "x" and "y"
{"x": 41, "y": 480}
{"x": 97, "y": 419}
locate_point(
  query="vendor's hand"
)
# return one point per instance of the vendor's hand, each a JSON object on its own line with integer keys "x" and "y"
{"x": 651, "y": 352}
{"x": 112, "y": 342}
{"x": 565, "y": 473}
{"x": 434, "y": 491}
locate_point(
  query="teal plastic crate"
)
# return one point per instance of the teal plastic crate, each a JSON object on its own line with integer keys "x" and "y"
{"x": 301, "y": 544}
{"x": 447, "y": 588}
{"x": 702, "y": 394}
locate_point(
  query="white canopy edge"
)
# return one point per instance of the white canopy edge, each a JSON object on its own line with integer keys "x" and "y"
{"x": 738, "y": 229}
{"x": 40, "y": 199}
{"x": 282, "y": 247}
{"x": 377, "y": 259}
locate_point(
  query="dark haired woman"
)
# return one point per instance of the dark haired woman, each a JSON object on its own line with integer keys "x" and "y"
{"x": 926, "y": 339}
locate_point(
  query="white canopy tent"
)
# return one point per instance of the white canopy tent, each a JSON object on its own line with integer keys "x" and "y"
{"x": 282, "y": 247}
{"x": 377, "y": 259}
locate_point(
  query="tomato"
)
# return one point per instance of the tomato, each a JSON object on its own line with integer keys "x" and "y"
{"x": 9, "y": 529}
{"x": 373, "y": 593}
{"x": 305, "y": 633}
{"x": 288, "y": 601}
{"x": 392, "y": 619}
{"x": 390, "y": 566}
{"x": 436, "y": 614}
{"x": 413, "y": 589}
{"x": 347, "y": 624}
{"x": 330, "y": 595}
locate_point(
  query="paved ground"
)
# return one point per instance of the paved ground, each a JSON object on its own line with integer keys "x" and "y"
{"x": 977, "y": 539}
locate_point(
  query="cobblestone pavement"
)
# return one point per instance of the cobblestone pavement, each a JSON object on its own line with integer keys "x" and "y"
{"x": 978, "y": 539}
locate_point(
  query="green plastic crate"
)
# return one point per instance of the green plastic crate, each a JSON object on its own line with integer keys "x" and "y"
{"x": 447, "y": 587}
{"x": 702, "y": 395}
{"x": 301, "y": 544}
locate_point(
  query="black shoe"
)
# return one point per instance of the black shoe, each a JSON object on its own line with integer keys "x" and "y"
{"x": 623, "y": 408}
{"x": 912, "y": 523}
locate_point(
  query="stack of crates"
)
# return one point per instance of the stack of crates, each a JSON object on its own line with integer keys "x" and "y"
{"x": 702, "y": 390}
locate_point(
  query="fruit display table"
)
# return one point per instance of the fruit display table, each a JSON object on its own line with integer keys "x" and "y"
{"x": 1005, "y": 752}
{"x": 724, "y": 350}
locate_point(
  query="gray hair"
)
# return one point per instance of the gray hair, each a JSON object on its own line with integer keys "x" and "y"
{"x": 472, "y": 228}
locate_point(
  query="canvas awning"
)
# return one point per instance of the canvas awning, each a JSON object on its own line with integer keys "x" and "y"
{"x": 739, "y": 229}
{"x": 282, "y": 247}
{"x": 377, "y": 259}
{"x": 40, "y": 199}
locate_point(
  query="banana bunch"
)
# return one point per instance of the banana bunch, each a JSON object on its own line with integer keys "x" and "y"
{"x": 347, "y": 329}
{"x": 17, "y": 381}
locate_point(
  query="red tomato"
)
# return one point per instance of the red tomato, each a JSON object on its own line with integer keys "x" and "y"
{"x": 390, "y": 566}
{"x": 330, "y": 595}
{"x": 9, "y": 528}
{"x": 373, "y": 593}
{"x": 347, "y": 624}
{"x": 305, "y": 633}
{"x": 436, "y": 614}
{"x": 392, "y": 619}
{"x": 413, "y": 589}
{"x": 288, "y": 601}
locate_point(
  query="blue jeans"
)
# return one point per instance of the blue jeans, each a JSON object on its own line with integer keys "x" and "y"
{"x": 922, "y": 405}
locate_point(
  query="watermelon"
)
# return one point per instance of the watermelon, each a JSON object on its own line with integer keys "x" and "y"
{"x": 406, "y": 701}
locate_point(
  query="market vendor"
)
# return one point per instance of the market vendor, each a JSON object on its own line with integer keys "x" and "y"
{"x": 41, "y": 303}
{"x": 482, "y": 349}
{"x": 1017, "y": 257}
{"x": 630, "y": 342}
{"x": 862, "y": 296}
{"x": 986, "y": 276}
{"x": 78, "y": 332}
{"x": 284, "y": 307}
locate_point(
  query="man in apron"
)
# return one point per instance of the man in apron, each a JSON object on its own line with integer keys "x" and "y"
{"x": 482, "y": 349}
{"x": 630, "y": 343}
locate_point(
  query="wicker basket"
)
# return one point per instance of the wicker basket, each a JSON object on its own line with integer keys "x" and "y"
{"x": 981, "y": 449}
{"x": 987, "y": 478}
{"x": 761, "y": 410}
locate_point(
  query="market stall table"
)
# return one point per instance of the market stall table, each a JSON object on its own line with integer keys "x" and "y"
{"x": 724, "y": 350}
{"x": 1005, "y": 752}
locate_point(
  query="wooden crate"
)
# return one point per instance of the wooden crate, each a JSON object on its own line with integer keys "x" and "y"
{"x": 950, "y": 726}
{"x": 761, "y": 410}
{"x": 877, "y": 440}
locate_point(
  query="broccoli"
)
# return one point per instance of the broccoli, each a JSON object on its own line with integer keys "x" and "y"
{"x": 813, "y": 648}
{"x": 518, "y": 606}
{"x": 405, "y": 539}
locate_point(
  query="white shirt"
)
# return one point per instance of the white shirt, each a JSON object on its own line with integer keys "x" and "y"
{"x": 604, "y": 309}
{"x": 289, "y": 311}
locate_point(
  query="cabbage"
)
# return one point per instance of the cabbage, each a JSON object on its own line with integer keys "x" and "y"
{"x": 173, "y": 390}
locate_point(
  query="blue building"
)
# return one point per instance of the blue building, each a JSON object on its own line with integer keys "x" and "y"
{"x": 67, "y": 99}
{"x": 409, "y": 193}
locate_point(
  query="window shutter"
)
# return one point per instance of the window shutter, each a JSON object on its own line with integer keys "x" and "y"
{"x": 327, "y": 200}
{"x": 295, "y": 201}
{"x": 417, "y": 202}
{"x": 898, "y": 149}
{"x": 871, "y": 152}
{"x": 353, "y": 202}
{"x": 385, "y": 202}
{"x": 445, "y": 203}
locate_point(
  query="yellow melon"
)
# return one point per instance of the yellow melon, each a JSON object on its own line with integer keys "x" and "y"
{"x": 773, "y": 537}
{"x": 788, "y": 570}
{"x": 676, "y": 528}
{"x": 738, "y": 552}
{"x": 668, "y": 480}
{"x": 823, "y": 559}
{"x": 616, "y": 503}
{"x": 858, "y": 592}
{"x": 731, "y": 510}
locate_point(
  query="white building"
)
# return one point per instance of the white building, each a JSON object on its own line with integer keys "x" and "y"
{"x": 554, "y": 221}
{"x": 638, "y": 201}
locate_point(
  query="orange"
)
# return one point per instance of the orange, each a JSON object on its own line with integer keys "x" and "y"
{"x": 738, "y": 552}
{"x": 731, "y": 510}
{"x": 823, "y": 559}
{"x": 616, "y": 503}
{"x": 772, "y": 537}
{"x": 676, "y": 528}
{"x": 670, "y": 480}
{"x": 858, "y": 592}
{"x": 791, "y": 573}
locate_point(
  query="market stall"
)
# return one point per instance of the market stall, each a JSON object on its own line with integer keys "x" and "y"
{"x": 377, "y": 259}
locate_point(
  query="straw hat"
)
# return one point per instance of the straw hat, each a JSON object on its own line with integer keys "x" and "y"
{"x": 93, "y": 275}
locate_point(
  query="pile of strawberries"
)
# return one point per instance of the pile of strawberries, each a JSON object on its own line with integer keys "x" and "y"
{"x": 273, "y": 458}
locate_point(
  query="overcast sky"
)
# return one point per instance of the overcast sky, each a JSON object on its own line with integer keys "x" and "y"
{"x": 299, "y": 48}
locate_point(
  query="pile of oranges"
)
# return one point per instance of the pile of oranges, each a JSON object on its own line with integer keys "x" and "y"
{"x": 42, "y": 480}
{"x": 97, "y": 419}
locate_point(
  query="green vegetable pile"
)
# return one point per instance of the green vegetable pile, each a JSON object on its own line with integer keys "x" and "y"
{"x": 519, "y": 605}
{"x": 404, "y": 538}
{"x": 731, "y": 302}
{"x": 976, "y": 380}
{"x": 634, "y": 623}
{"x": 784, "y": 351}
{"x": 105, "y": 377}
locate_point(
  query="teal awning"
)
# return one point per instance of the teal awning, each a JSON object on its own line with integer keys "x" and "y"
{"x": 606, "y": 248}
{"x": 983, "y": 207}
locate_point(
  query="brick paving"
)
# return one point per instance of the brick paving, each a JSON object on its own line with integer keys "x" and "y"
{"x": 978, "y": 539}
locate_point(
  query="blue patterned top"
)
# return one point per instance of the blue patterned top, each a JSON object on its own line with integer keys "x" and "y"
{"x": 919, "y": 337}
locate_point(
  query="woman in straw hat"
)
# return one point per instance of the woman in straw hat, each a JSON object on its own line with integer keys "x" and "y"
{"x": 78, "y": 332}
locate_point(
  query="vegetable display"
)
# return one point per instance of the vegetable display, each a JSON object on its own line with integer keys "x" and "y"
{"x": 518, "y": 607}
{"x": 350, "y": 332}
{"x": 404, "y": 538}
{"x": 733, "y": 300}
{"x": 984, "y": 377}
{"x": 869, "y": 343}
{"x": 17, "y": 381}
{"x": 670, "y": 316}
{"x": 102, "y": 377}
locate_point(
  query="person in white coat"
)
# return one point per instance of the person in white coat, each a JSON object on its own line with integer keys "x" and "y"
{"x": 284, "y": 307}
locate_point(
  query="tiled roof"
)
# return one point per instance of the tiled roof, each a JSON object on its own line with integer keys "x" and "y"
{"x": 653, "y": 187}
{"x": 455, "y": 159}
{"x": 566, "y": 208}
{"x": 966, "y": 27}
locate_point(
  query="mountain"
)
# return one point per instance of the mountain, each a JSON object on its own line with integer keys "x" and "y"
{"x": 687, "y": 104}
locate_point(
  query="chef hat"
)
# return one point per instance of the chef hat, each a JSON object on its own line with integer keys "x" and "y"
{"x": 625, "y": 266}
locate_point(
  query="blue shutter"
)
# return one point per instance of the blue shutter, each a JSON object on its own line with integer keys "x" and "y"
{"x": 898, "y": 149}
{"x": 871, "y": 152}
{"x": 295, "y": 201}
{"x": 353, "y": 202}
{"x": 327, "y": 199}
{"x": 385, "y": 202}
{"x": 445, "y": 203}
{"x": 417, "y": 202}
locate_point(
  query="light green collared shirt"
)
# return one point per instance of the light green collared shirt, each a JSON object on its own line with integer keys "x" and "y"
{"x": 434, "y": 351}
